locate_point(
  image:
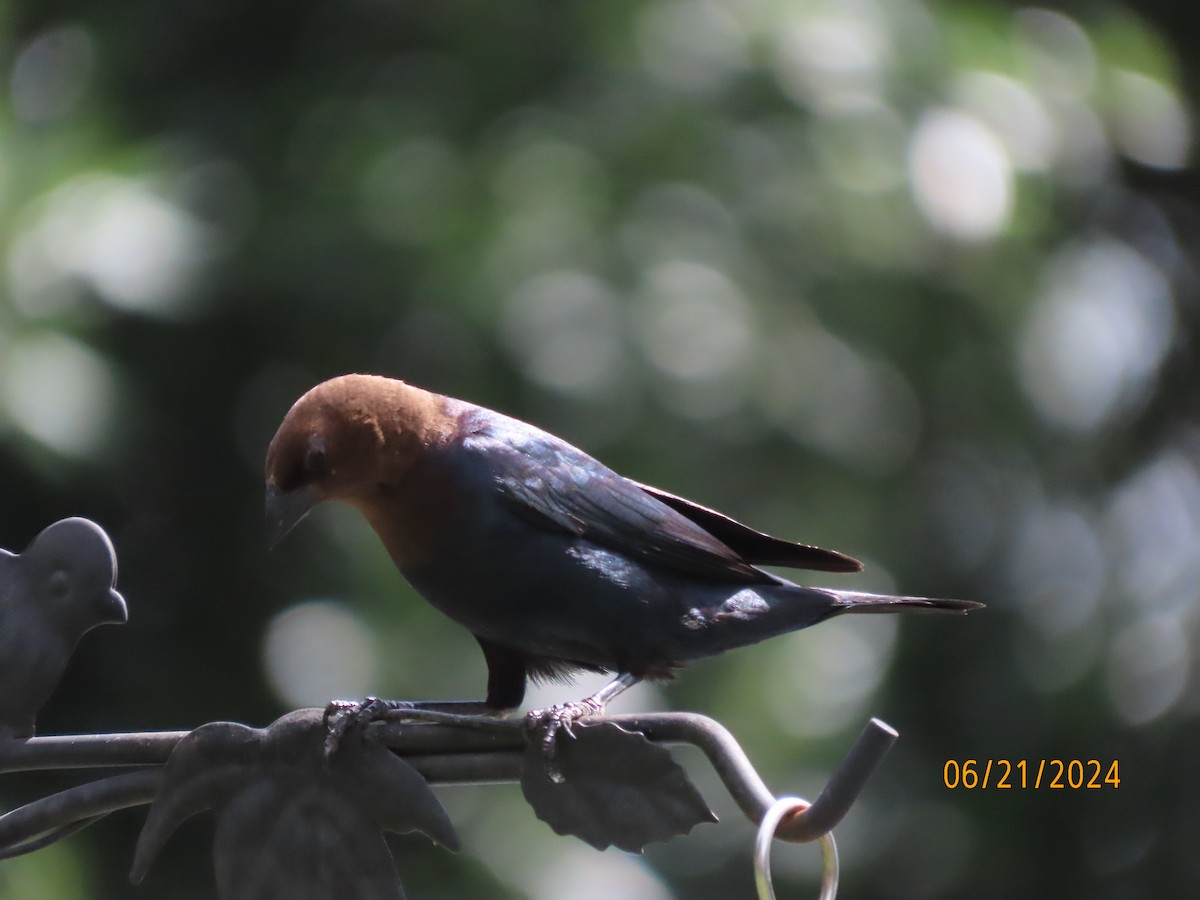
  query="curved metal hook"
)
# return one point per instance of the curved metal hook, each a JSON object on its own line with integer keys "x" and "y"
{"x": 779, "y": 810}
{"x": 748, "y": 789}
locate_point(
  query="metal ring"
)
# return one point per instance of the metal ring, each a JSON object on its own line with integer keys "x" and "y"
{"x": 775, "y": 814}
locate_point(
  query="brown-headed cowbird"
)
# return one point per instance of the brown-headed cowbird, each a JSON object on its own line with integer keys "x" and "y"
{"x": 554, "y": 562}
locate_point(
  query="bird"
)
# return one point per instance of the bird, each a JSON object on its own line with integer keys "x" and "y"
{"x": 553, "y": 561}
{"x": 61, "y": 586}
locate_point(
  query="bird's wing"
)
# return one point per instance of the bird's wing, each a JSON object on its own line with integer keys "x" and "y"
{"x": 754, "y": 546}
{"x": 556, "y": 486}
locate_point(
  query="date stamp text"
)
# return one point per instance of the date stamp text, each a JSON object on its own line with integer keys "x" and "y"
{"x": 1031, "y": 774}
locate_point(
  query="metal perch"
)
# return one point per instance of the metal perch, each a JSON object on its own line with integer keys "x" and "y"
{"x": 451, "y": 751}
{"x": 623, "y": 789}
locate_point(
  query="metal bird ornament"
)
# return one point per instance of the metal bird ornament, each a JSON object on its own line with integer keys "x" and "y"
{"x": 554, "y": 562}
{"x": 60, "y": 586}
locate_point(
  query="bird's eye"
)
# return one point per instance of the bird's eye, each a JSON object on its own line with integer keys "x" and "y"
{"x": 315, "y": 462}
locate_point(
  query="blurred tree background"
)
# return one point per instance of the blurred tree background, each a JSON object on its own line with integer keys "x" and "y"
{"x": 913, "y": 279}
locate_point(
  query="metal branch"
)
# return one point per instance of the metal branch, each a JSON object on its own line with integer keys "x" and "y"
{"x": 456, "y": 754}
{"x": 445, "y": 748}
{"x": 66, "y": 812}
{"x": 87, "y": 751}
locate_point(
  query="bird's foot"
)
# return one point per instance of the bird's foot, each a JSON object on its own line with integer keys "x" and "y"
{"x": 546, "y": 724}
{"x": 343, "y": 715}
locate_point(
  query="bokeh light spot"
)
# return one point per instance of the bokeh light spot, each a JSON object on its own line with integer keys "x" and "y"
{"x": 134, "y": 247}
{"x": 830, "y": 56}
{"x": 317, "y": 651}
{"x": 695, "y": 321}
{"x": 51, "y": 74}
{"x": 1149, "y": 122}
{"x": 1148, "y": 665}
{"x": 828, "y": 396}
{"x": 60, "y": 392}
{"x": 1057, "y": 51}
{"x": 960, "y": 176}
{"x": 691, "y": 44}
{"x": 1153, "y": 526}
{"x": 593, "y": 876}
{"x": 829, "y": 677}
{"x": 1097, "y": 335}
{"x": 1058, "y": 569}
{"x": 1013, "y": 113}
{"x": 564, "y": 329}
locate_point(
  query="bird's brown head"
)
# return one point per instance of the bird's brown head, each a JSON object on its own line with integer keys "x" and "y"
{"x": 349, "y": 439}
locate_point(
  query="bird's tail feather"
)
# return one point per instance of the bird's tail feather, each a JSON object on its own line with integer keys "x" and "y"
{"x": 751, "y": 615}
{"x": 856, "y": 602}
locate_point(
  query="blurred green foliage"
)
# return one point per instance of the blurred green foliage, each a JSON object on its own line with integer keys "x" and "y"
{"x": 916, "y": 280}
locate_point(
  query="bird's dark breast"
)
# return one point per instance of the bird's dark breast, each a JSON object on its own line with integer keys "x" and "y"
{"x": 552, "y": 596}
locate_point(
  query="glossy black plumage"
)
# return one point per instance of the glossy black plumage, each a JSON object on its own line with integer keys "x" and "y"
{"x": 551, "y": 559}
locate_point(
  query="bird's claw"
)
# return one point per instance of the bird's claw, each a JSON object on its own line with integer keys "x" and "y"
{"x": 343, "y": 715}
{"x": 547, "y": 723}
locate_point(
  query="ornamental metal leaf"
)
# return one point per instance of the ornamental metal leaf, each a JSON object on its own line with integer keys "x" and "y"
{"x": 59, "y": 587}
{"x": 292, "y": 822}
{"x": 616, "y": 789}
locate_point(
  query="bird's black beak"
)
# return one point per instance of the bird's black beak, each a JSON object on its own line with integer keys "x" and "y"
{"x": 285, "y": 510}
